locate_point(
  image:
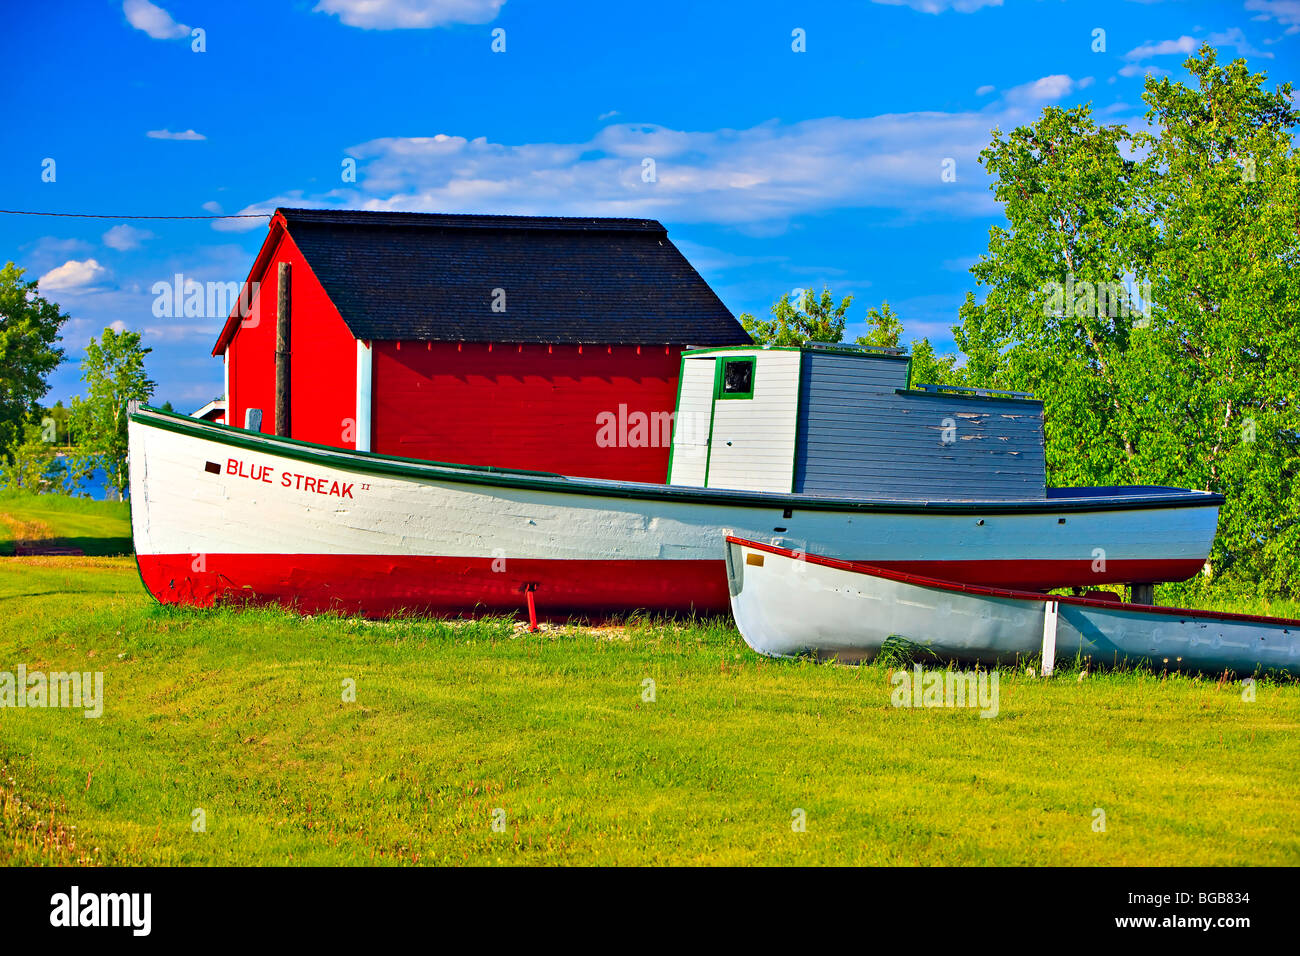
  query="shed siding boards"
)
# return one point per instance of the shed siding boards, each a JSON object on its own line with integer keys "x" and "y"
{"x": 859, "y": 436}
{"x": 753, "y": 442}
{"x": 323, "y": 358}
{"x": 690, "y": 457}
{"x": 527, "y": 406}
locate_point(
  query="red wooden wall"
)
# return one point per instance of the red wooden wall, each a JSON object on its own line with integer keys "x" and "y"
{"x": 531, "y": 406}
{"x": 324, "y": 358}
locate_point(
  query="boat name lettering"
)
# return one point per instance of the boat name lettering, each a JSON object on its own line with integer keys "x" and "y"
{"x": 289, "y": 479}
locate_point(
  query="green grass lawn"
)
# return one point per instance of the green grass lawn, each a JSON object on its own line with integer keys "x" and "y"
{"x": 96, "y": 527}
{"x": 241, "y": 715}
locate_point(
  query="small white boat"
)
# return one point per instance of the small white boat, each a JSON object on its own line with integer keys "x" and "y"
{"x": 789, "y": 603}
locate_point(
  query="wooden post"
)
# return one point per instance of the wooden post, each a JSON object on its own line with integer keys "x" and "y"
{"x": 1049, "y": 637}
{"x": 282, "y": 365}
{"x": 1142, "y": 593}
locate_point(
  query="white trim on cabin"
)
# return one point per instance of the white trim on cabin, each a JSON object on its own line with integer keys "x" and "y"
{"x": 690, "y": 459}
{"x": 365, "y": 379}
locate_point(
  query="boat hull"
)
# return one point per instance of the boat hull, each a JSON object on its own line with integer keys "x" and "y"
{"x": 787, "y": 605}
{"x": 221, "y": 513}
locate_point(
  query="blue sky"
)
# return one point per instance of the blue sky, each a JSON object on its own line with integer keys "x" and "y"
{"x": 774, "y": 169}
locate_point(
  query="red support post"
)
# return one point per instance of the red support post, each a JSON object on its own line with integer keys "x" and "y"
{"x": 532, "y": 607}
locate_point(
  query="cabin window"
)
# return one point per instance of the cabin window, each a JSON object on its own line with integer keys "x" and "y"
{"x": 736, "y": 378}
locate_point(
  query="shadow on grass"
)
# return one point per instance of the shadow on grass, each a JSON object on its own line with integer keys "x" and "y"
{"x": 94, "y": 547}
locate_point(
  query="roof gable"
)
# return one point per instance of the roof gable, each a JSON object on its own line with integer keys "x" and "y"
{"x": 434, "y": 277}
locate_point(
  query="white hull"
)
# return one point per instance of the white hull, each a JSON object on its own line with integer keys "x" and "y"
{"x": 789, "y": 605}
{"x": 218, "y": 510}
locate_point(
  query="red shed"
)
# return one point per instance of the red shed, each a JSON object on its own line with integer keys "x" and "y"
{"x": 515, "y": 341}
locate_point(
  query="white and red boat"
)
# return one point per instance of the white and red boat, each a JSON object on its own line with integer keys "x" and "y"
{"x": 224, "y": 513}
{"x": 790, "y": 603}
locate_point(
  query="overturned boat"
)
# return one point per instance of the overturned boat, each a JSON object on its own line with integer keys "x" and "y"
{"x": 791, "y": 603}
{"x": 226, "y": 513}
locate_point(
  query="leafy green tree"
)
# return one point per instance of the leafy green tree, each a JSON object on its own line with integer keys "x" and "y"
{"x": 822, "y": 320}
{"x": 1145, "y": 287}
{"x": 884, "y": 327}
{"x": 114, "y": 374}
{"x": 885, "y": 330}
{"x": 32, "y": 464}
{"x": 931, "y": 368}
{"x": 815, "y": 319}
{"x": 29, "y": 328}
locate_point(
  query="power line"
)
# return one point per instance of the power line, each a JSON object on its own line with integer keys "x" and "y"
{"x": 89, "y": 215}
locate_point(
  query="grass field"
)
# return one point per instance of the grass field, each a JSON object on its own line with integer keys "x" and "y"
{"x": 95, "y": 527}
{"x": 241, "y": 715}
{"x": 238, "y": 718}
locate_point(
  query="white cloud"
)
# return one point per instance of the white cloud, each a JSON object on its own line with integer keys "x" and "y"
{"x": 73, "y": 276}
{"x": 1048, "y": 89}
{"x": 1285, "y": 12}
{"x": 755, "y": 180}
{"x": 153, "y": 20}
{"x": 125, "y": 238}
{"x": 941, "y": 6}
{"x": 763, "y": 174}
{"x": 47, "y": 250}
{"x": 409, "y": 14}
{"x": 985, "y": 90}
{"x": 1134, "y": 69}
{"x": 267, "y": 208}
{"x": 604, "y": 116}
{"x": 1234, "y": 38}
{"x": 187, "y": 135}
{"x": 212, "y": 206}
{"x": 1184, "y": 44}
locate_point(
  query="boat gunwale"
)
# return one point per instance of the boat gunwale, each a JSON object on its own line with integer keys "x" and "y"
{"x": 375, "y": 463}
{"x": 921, "y": 580}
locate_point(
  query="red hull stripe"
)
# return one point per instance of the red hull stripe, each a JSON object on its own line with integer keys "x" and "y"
{"x": 380, "y": 585}
{"x": 1043, "y": 575}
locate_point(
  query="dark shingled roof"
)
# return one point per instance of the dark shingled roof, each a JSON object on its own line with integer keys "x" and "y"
{"x": 430, "y": 277}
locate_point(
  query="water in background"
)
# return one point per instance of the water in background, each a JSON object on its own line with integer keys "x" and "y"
{"x": 95, "y": 485}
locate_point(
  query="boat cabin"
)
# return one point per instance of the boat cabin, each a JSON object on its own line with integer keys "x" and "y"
{"x": 846, "y": 421}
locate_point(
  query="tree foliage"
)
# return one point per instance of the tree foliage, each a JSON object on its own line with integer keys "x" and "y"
{"x": 814, "y": 319}
{"x": 821, "y": 320}
{"x": 29, "y": 329}
{"x": 114, "y": 375}
{"x": 1145, "y": 287}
